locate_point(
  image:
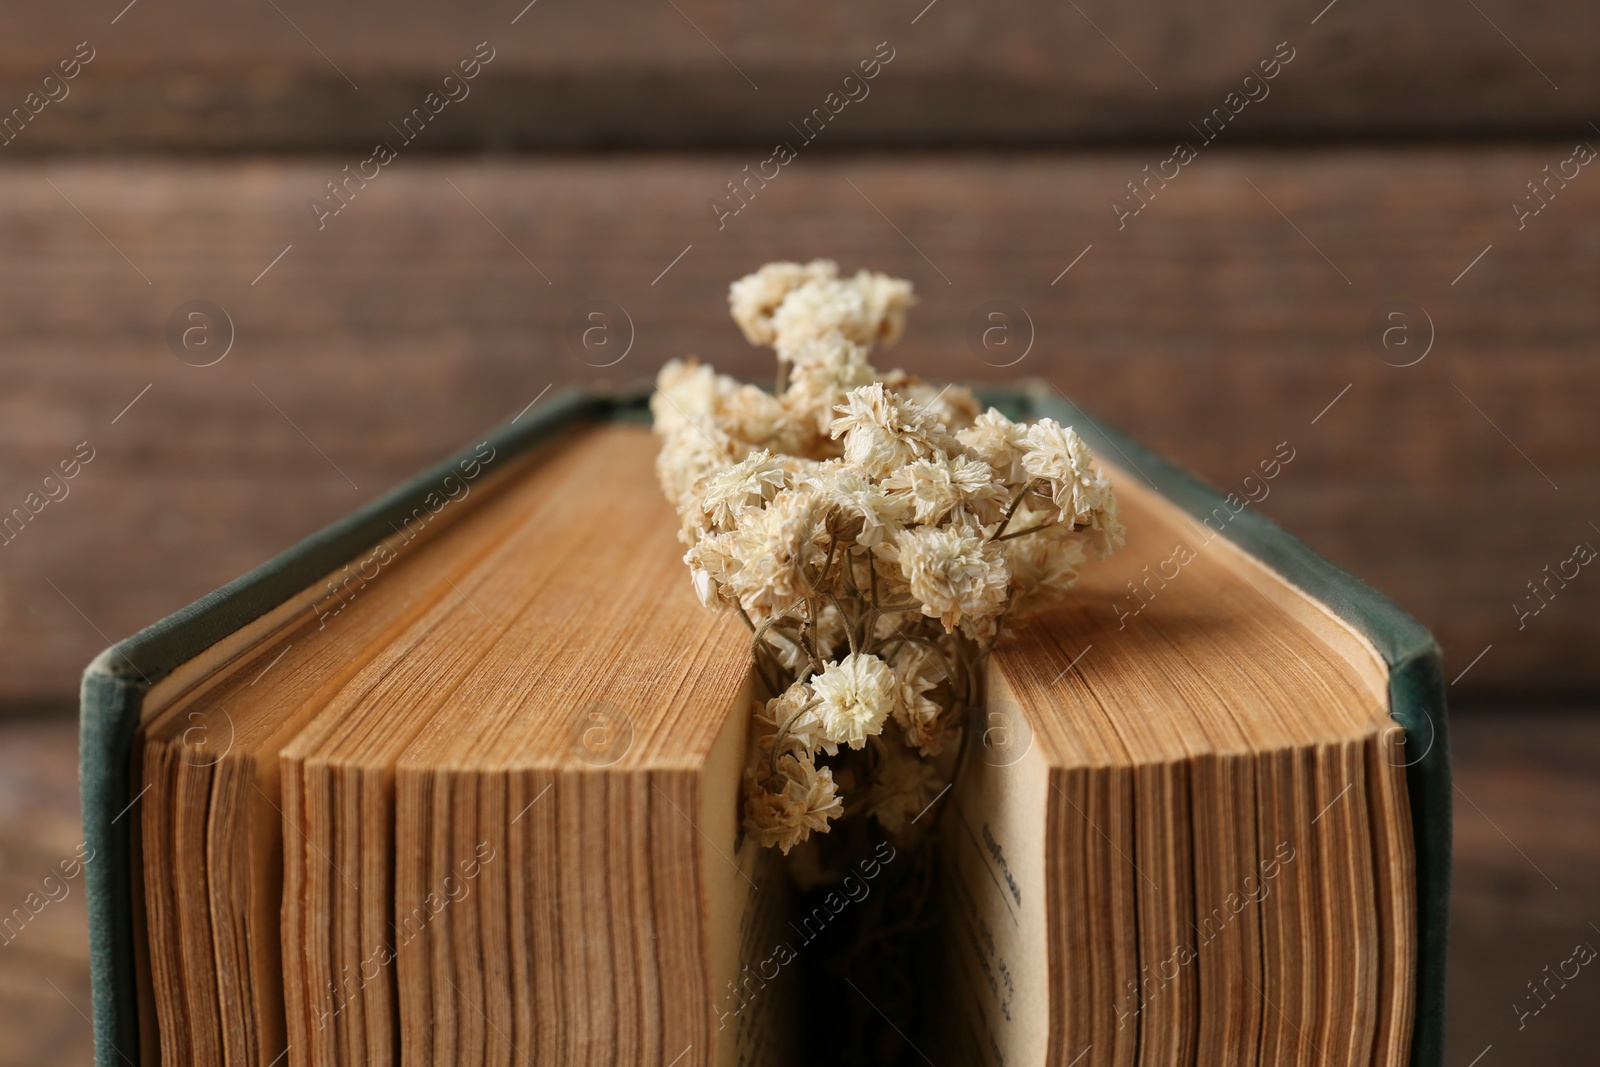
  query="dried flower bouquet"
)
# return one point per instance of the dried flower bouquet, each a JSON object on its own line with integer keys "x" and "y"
{"x": 874, "y": 533}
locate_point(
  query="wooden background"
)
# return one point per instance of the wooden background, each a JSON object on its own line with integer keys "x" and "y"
{"x": 1235, "y": 311}
{"x": 289, "y": 75}
{"x": 1378, "y": 173}
{"x": 1209, "y": 327}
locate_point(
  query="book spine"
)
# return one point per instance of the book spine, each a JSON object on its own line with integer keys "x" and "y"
{"x": 109, "y": 719}
{"x": 1416, "y": 702}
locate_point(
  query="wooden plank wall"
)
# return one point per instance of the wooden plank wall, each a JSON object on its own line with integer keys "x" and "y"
{"x": 1377, "y": 175}
{"x": 190, "y": 76}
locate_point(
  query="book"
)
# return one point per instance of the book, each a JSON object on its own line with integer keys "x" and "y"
{"x": 457, "y": 780}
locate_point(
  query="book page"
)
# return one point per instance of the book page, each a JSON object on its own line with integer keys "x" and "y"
{"x": 751, "y": 943}
{"x": 993, "y": 923}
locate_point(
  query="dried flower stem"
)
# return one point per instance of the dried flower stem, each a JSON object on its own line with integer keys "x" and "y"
{"x": 1011, "y": 509}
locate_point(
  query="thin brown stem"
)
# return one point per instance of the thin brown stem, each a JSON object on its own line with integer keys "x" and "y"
{"x": 999, "y": 624}
{"x": 970, "y": 673}
{"x": 1011, "y": 509}
{"x": 872, "y": 616}
{"x": 1042, "y": 526}
{"x": 757, "y": 647}
{"x": 1023, "y": 533}
{"x": 827, "y": 564}
{"x": 807, "y": 637}
{"x": 850, "y": 573}
{"x": 783, "y": 728}
{"x": 849, "y": 629}
{"x": 955, "y": 773}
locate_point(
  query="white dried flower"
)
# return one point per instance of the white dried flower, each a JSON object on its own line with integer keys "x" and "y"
{"x": 760, "y": 419}
{"x": 1057, "y": 455}
{"x": 832, "y": 357}
{"x": 805, "y": 801}
{"x": 822, "y": 372}
{"x": 954, "y": 571}
{"x": 789, "y": 720}
{"x": 686, "y": 391}
{"x": 860, "y": 500}
{"x": 998, "y": 442}
{"x": 817, "y": 309}
{"x": 934, "y": 489}
{"x": 747, "y": 484}
{"x": 917, "y": 671}
{"x": 854, "y": 696}
{"x": 893, "y": 588}
{"x": 712, "y": 564}
{"x": 887, "y": 299}
{"x": 1105, "y": 533}
{"x": 753, "y": 298}
{"x": 883, "y": 431}
{"x": 1043, "y": 565}
{"x": 903, "y": 789}
{"x": 867, "y": 309}
{"x": 955, "y": 406}
{"x": 778, "y": 550}
{"x": 687, "y": 462}
{"x": 845, "y": 515}
{"x": 696, "y": 442}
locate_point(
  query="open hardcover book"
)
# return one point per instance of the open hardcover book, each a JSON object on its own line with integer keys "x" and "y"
{"x": 456, "y": 781}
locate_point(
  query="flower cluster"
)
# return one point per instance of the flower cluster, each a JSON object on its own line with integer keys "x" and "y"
{"x": 874, "y": 532}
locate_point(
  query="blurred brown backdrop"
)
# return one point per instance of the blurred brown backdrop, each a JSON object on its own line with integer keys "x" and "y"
{"x": 1419, "y": 159}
